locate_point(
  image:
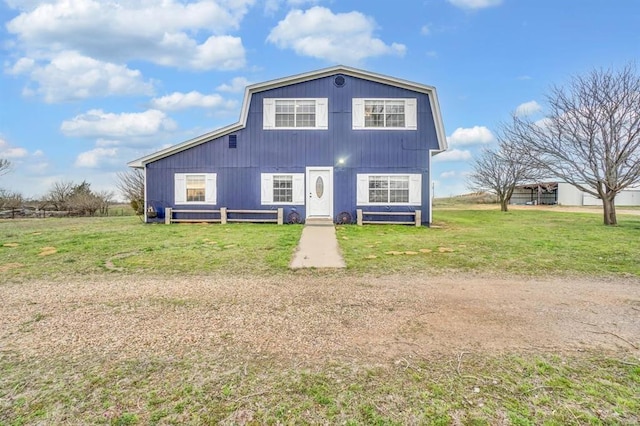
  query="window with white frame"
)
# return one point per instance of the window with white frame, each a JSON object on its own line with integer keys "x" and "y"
{"x": 195, "y": 188}
{"x": 385, "y": 189}
{"x": 308, "y": 113}
{"x": 384, "y": 114}
{"x": 282, "y": 188}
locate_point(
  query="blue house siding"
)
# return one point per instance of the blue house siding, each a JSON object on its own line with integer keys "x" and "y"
{"x": 259, "y": 151}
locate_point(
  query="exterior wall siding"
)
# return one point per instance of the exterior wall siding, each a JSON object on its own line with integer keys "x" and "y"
{"x": 291, "y": 151}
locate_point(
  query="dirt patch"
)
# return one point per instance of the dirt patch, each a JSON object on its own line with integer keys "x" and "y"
{"x": 310, "y": 317}
{"x": 47, "y": 251}
{"x": 8, "y": 266}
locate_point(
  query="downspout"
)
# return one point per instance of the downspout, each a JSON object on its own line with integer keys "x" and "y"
{"x": 431, "y": 151}
{"x": 145, "y": 194}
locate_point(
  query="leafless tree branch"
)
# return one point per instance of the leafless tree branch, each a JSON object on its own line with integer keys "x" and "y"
{"x": 590, "y": 137}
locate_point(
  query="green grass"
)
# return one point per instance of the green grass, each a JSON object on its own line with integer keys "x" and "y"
{"x": 520, "y": 242}
{"x": 124, "y": 244}
{"x": 224, "y": 388}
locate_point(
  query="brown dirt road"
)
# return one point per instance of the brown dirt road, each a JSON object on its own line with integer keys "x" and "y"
{"x": 319, "y": 317}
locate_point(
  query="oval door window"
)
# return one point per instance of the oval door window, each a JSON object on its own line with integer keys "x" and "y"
{"x": 319, "y": 187}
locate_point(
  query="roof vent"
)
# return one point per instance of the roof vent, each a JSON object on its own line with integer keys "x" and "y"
{"x": 339, "y": 81}
{"x": 233, "y": 141}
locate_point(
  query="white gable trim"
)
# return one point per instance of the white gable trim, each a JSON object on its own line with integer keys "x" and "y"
{"x": 300, "y": 78}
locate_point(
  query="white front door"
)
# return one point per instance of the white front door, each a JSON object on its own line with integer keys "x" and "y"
{"x": 319, "y": 192}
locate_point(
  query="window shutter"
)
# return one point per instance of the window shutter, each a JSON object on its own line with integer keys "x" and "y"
{"x": 411, "y": 114}
{"x": 180, "y": 188}
{"x": 362, "y": 189}
{"x": 322, "y": 113}
{"x": 210, "y": 189}
{"x": 298, "y": 188}
{"x": 268, "y": 113}
{"x": 266, "y": 188}
{"x": 357, "y": 113}
{"x": 415, "y": 189}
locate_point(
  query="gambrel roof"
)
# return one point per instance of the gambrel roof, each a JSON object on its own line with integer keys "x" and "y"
{"x": 301, "y": 78}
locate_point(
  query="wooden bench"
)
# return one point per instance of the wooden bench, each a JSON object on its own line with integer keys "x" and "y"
{"x": 169, "y": 219}
{"x": 417, "y": 218}
{"x": 278, "y": 216}
{"x": 223, "y": 213}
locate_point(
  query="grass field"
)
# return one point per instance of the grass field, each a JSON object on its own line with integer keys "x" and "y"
{"x": 227, "y": 386}
{"x": 521, "y": 242}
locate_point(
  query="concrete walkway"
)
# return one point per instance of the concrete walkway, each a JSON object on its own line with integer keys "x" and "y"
{"x": 318, "y": 248}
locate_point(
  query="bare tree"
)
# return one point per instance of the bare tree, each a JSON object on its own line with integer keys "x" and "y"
{"x": 500, "y": 171}
{"x": 59, "y": 194}
{"x": 5, "y": 166}
{"x": 11, "y": 201}
{"x": 106, "y": 199}
{"x": 131, "y": 186}
{"x": 84, "y": 203}
{"x": 591, "y": 136}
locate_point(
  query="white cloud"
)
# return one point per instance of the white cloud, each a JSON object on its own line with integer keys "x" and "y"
{"x": 177, "y": 101}
{"x": 11, "y": 152}
{"x": 237, "y": 85}
{"x": 71, "y": 76}
{"x": 425, "y": 30}
{"x": 449, "y": 174}
{"x": 528, "y": 108}
{"x": 453, "y": 155}
{"x": 475, "y": 4}
{"x": 271, "y": 6}
{"x": 99, "y": 124}
{"x": 470, "y": 136}
{"x": 341, "y": 37}
{"x": 168, "y": 33}
{"x": 96, "y": 157}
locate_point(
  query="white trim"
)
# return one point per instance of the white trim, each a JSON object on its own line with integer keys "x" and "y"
{"x": 269, "y": 113}
{"x": 410, "y": 113}
{"x": 297, "y": 189}
{"x": 328, "y": 187}
{"x": 180, "y": 189}
{"x": 301, "y": 78}
{"x": 415, "y": 188}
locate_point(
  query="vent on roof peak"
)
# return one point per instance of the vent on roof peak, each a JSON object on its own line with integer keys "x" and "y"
{"x": 339, "y": 81}
{"x": 233, "y": 141}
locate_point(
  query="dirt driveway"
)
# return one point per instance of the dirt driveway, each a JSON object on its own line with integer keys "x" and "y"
{"x": 316, "y": 317}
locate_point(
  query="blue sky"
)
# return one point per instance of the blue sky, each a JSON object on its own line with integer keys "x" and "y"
{"x": 88, "y": 85}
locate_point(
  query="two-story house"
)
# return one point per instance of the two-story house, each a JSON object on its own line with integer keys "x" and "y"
{"x": 318, "y": 144}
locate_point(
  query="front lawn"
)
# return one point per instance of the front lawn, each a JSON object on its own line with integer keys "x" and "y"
{"x": 537, "y": 243}
{"x": 522, "y": 242}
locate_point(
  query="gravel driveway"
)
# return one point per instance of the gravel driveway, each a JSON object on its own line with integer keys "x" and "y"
{"x": 318, "y": 316}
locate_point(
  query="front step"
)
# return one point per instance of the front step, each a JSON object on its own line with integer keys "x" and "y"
{"x": 319, "y": 221}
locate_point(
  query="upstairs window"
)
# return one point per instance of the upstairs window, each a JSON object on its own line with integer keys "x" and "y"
{"x": 308, "y": 113}
{"x": 381, "y": 114}
{"x": 384, "y": 113}
{"x": 295, "y": 113}
{"x": 195, "y": 188}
